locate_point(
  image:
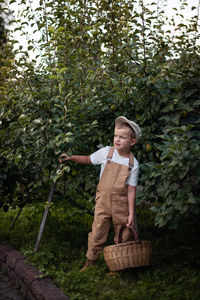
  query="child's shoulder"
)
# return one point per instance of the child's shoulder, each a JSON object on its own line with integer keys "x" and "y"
{"x": 136, "y": 163}
{"x": 105, "y": 149}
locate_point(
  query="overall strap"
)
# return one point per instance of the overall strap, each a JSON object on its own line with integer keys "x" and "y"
{"x": 131, "y": 161}
{"x": 110, "y": 154}
{"x": 131, "y": 158}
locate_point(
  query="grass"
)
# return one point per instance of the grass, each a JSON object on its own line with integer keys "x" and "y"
{"x": 173, "y": 273}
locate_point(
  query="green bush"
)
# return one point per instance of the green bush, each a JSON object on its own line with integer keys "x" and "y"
{"x": 100, "y": 61}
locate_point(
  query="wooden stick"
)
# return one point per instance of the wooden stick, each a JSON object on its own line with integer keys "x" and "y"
{"x": 15, "y": 219}
{"x": 42, "y": 225}
{"x": 17, "y": 216}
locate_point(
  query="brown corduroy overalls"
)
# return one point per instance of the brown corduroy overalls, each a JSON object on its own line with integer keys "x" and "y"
{"x": 111, "y": 203}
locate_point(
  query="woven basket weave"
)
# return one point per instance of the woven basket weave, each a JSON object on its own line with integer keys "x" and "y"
{"x": 128, "y": 255}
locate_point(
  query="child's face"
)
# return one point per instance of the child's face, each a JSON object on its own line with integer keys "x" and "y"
{"x": 123, "y": 140}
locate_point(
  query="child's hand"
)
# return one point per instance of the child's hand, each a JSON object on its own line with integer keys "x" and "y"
{"x": 130, "y": 221}
{"x": 63, "y": 157}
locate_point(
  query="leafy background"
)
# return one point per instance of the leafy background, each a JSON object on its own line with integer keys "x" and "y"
{"x": 101, "y": 60}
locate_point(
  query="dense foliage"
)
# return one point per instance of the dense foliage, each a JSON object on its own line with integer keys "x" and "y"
{"x": 100, "y": 60}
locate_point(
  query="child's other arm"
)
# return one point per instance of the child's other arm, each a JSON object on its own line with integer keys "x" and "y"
{"x": 131, "y": 192}
{"x": 81, "y": 159}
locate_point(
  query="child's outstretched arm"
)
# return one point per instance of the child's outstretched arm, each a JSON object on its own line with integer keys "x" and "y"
{"x": 81, "y": 159}
{"x": 131, "y": 192}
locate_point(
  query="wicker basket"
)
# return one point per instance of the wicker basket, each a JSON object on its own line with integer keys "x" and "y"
{"x": 129, "y": 254}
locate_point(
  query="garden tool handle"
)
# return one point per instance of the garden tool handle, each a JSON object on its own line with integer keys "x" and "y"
{"x": 135, "y": 234}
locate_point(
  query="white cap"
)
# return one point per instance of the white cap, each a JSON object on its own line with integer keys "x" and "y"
{"x": 134, "y": 126}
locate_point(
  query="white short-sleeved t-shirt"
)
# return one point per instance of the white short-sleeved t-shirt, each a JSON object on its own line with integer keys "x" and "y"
{"x": 100, "y": 158}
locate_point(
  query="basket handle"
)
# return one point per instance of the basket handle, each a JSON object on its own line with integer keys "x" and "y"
{"x": 135, "y": 234}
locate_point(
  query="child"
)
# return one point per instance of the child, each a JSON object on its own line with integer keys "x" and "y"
{"x": 115, "y": 195}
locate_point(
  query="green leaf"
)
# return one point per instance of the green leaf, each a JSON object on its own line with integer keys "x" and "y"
{"x": 62, "y": 70}
{"x": 194, "y": 147}
{"x": 60, "y": 29}
{"x": 53, "y": 76}
{"x": 51, "y": 29}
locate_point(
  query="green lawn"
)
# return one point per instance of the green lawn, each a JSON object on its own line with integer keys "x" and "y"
{"x": 173, "y": 274}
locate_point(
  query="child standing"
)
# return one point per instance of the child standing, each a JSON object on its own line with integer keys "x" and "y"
{"x": 116, "y": 191}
